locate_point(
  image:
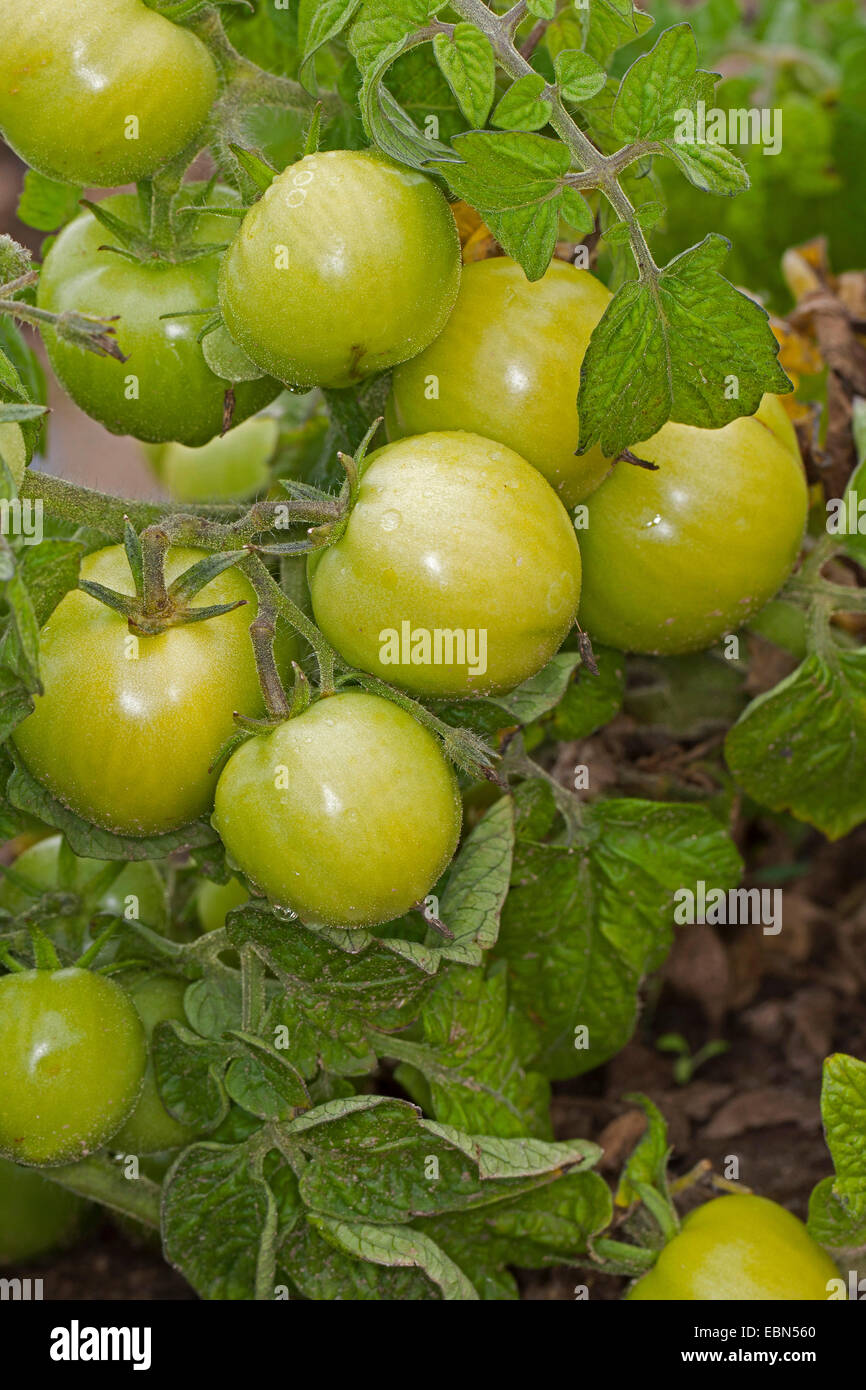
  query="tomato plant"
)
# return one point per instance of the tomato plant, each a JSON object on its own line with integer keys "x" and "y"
{"x": 455, "y": 535}
{"x": 322, "y": 844}
{"x": 106, "y": 719}
{"x": 165, "y": 390}
{"x": 75, "y": 1054}
{"x": 116, "y": 92}
{"x": 741, "y": 1248}
{"x": 36, "y": 1216}
{"x": 150, "y": 1128}
{"x": 341, "y": 227}
{"x": 507, "y": 366}
{"x": 676, "y": 557}
{"x": 488, "y": 617}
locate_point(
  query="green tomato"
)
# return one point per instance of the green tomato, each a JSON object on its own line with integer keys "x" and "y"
{"x": 346, "y": 814}
{"x": 458, "y": 573}
{"x": 126, "y": 728}
{"x": 214, "y": 901}
{"x": 13, "y": 450}
{"x": 507, "y": 366}
{"x": 230, "y": 468}
{"x": 138, "y": 892}
{"x": 99, "y": 92}
{"x": 347, "y": 264}
{"x": 739, "y": 1249}
{"x": 150, "y": 1128}
{"x": 166, "y": 390}
{"x": 674, "y": 559}
{"x": 74, "y": 1054}
{"x": 36, "y": 1216}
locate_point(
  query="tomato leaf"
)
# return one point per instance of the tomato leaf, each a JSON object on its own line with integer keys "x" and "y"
{"x": 669, "y": 348}
{"x": 466, "y": 61}
{"x": 579, "y": 77}
{"x": 584, "y": 923}
{"x": 328, "y": 19}
{"x": 521, "y": 108}
{"x": 801, "y": 746}
{"x": 843, "y": 1109}
{"x": 47, "y": 204}
{"x": 216, "y": 1215}
{"x": 397, "y": 1246}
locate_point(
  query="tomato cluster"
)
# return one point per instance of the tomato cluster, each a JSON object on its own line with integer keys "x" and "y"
{"x": 471, "y": 542}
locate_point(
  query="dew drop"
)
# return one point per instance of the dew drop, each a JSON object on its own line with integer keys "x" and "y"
{"x": 390, "y": 521}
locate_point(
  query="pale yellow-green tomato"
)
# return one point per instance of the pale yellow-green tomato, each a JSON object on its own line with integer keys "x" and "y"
{"x": 214, "y": 901}
{"x": 13, "y": 450}
{"x": 231, "y": 467}
{"x": 346, "y": 814}
{"x": 739, "y": 1249}
{"x": 675, "y": 558}
{"x": 458, "y": 573}
{"x": 507, "y": 366}
{"x": 99, "y": 92}
{"x": 347, "y": 264}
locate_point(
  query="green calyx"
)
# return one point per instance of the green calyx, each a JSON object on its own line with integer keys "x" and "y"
{"x": 157, "y": 606}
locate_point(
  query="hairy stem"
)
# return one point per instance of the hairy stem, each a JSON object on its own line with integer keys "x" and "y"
{"x": 103, "y": 1181}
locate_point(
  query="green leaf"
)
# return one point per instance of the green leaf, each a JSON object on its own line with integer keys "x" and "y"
{"x": 800, "y": 747}
{"x": 521, "y": 107}
{"x": 843, "y": 1109}
{"x": 710, "y": 167}
{"x": 584, "y": 924}
{"x": 189, "y": 1072}
{"x": 46, "y": 204}
{"x": 591, "y": 701}
{"x": 216, "y": 1214}
{"x": 576, "y": 211}
{"x": 513, "y": 179}
{"x": 833, "y": 1224}
{"x": 658, "y": 86}
{"x": 321, "y": 1270}
{"x": 389, "y": 126}
{"x": 400, "y": 1247}
{"x": 579, "y": 77}
{"x": 466, "y": 61}
{"x": 610, "y": 24}
{"x": 471, "y": 1059}
{"x": 647, "y": 1165}
{"x": 542, "y": 9}
{"x": 667, "y": 351}
{"x": 225, "y": 359}
{"x": 477, "y": 885}
{"x": 329, "y": 18}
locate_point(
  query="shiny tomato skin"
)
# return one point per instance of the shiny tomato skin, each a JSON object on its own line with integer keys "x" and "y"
{"x": 165, "y": 390}
{"x": 126, "y": 741}
{"x": 74, "y": 1054}
{"x": 346, "y": 814}
{"x": 36, "y": 1216}
{"x": 675, "y": 558}
{"x": 739, "y": 1249}
{"x": 150, "y": 1128}
{"x": 450, "y": 532}
{"x": 99, "y": 92}
{"x": 347, "y": 264}
{"x": 507, "y": 366}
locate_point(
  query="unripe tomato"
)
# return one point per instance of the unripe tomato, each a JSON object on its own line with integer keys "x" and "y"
{"x": 13, "y": 450}
{"x": 347, "y": 814}
{"x": 166, "y": 390}
{"x": 457, "y": 536}
{"x": 673, "y": 559}
{"x": 74, "y": 1054}
{"x": 739, "y": 1249}
{"x": 507, "y": 366}
{"x": 150, "y": 1128}
{"x": 138, "y": 890}
{"x": 36, "y": 1216}
{"x": 347, "y": 264}
{"x": 214, "y": 901}
{"x": 126, "y": 728}
{"x": 99, "y": 92}
{"x": 230, "y": 468}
